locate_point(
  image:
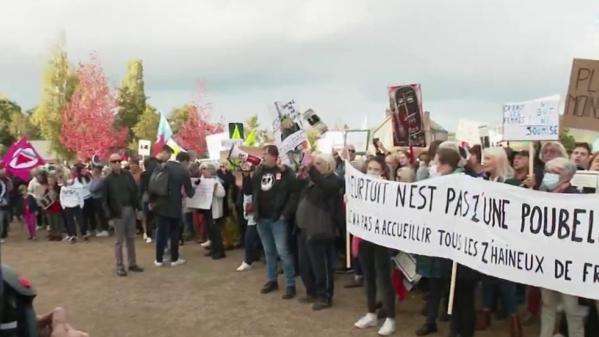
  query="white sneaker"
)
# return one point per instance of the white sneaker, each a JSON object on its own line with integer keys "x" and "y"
{"x": 145, "y": 236}
{"x": 148, "y": 240}
{"x": 244, "y": 266}
{"x": 205, "y": 244}
{"x": 158, "y": 264}
{"x": 179, "y": 262}
{"x": 102, "y": 234}
{"x": 39, "y": 228}
{"x": 369, "y": 320}
{"x": 388, "y": 327}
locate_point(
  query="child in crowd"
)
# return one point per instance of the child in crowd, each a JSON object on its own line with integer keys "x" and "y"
{"x": 30, "y": 211}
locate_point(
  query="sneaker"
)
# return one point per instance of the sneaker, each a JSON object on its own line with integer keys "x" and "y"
{"x": 269, "y": 286}
{"x": 72, "y": 239}
{"x": 367, "y": 321}
{"x": 321, "y": 304}
{"x": 244, "y": 266}
{"x": 121, "y": 272}
{"x": 158, "y": 264}
{"x": 179, "y": 262}
{"x": 205, "y": 244}
{"x": 289, "y": 293}
{"x": 136, "y": 269}
{"x": 102, "y": 234}
{"x": 148, "y": 240}
{"x": 388, "y": 327}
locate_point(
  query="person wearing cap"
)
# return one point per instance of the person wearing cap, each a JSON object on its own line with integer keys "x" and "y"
{"x": 169, "y": 208}
{"x": 121, "y": 201}
{"x": 275, "y": 196}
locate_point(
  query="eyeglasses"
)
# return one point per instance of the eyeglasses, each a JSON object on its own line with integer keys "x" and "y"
{"x": 117, "y": 161}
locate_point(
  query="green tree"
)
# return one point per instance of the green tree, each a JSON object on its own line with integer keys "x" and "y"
{"x": 58, "y": 84}
{"x": 131, "y": 98}
{"x": 22, "y": 126}
{"x": 8, "y": 109}
{"x": 179, "y": 116}
{"x": 567, "y": 139}
{"x": 146, "y": 127}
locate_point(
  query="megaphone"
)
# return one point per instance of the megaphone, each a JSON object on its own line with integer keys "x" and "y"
{"x": 235, "y": 153}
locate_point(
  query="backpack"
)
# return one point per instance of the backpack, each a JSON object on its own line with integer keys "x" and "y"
{"x": 158, "y": 184}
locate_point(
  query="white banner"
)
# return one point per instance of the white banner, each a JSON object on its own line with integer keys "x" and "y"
{"x": 537, "y": 119}
{"x": 526, "y": 236}
{"x": 204, "y": 191}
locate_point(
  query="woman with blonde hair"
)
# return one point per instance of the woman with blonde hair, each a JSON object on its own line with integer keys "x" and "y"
{"x": 496, "y": 167}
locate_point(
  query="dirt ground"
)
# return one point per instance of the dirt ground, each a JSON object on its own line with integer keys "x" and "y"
{"x": 202, "y": 298}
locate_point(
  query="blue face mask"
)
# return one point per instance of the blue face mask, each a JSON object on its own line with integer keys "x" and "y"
{"x": 550, "y": 181}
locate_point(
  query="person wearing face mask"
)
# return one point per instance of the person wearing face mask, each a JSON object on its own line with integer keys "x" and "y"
{"x": 558, "y": 174}
{"x": 549, "y": 151}
{"x": 428, "y": 169}
{"x": 376, "y": 265}
{"x": 496, "y": 167}
{"x": 318, "y": 221}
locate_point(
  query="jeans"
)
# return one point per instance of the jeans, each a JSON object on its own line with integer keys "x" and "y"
{"x": 506, "y": 289}
{"x": 124, "y": 230}
{"x": 574, "y": 313}
{"x": 89, "y": 214}
{"x": 321, "y": 256}
{"x": 188, "y": 222}
{"x": 251, "y": 244}
{"x": 74, "y": 216}
{"x": 273, "y": 235}
{"x": 167, "y": 228}
{"x": 376, "y": 265}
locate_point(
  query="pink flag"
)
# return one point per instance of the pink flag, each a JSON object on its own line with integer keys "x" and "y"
{"x": 21, "y": 158}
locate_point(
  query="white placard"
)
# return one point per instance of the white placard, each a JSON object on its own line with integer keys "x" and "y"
{"x": 204, "y": 191}
{"x": 537, "y": 119}
{"x": 214, "y": 143}
{"x": 359, "y": 139}
{"x": 144, "y": 147}
{"x": 586, "y": 179}
{"x": 468, "y": 131}
{"x": 292, "y": 142}
{"x": 548, "y": 240}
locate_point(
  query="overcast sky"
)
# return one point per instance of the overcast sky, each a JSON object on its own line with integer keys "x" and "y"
{"x": 334, "y": 56}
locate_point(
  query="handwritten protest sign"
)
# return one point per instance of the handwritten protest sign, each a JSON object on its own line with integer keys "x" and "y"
{"x": 204, "y": 191}
{"x": 536, "y": 119}
{"x": 582, "y": 103}
{"x": 526, "y": 236}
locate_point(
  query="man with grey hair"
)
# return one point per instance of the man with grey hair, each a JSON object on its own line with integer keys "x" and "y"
{"x": 558, "y": 174}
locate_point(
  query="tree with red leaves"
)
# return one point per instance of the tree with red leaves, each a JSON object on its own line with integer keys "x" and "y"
{"x": 88, "y": 126}
{"x": 193, "y": 132}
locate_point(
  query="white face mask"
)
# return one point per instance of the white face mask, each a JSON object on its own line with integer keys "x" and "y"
{"x": 550, "y": 181}
{"x": 433, "y": 171}
{"x": 373, "y": 174}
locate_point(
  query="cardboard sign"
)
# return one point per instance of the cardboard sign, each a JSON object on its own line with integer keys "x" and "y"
{"x": 204, "y": 191}
{"x": 582, "y": 102}
{"x": 144, "y": 147}
{"x": 537, "y": 119}
{"x": 406, "y": 109}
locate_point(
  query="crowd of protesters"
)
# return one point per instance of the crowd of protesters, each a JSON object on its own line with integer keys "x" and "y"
{"x": 295, "y": 219}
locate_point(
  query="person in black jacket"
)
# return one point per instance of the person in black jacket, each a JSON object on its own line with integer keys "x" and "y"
{"x": 121, "y": 200}
{"x": 318, "y": 219}
{"x": 275, "y": 199}
{"x": 168, "y": 209}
